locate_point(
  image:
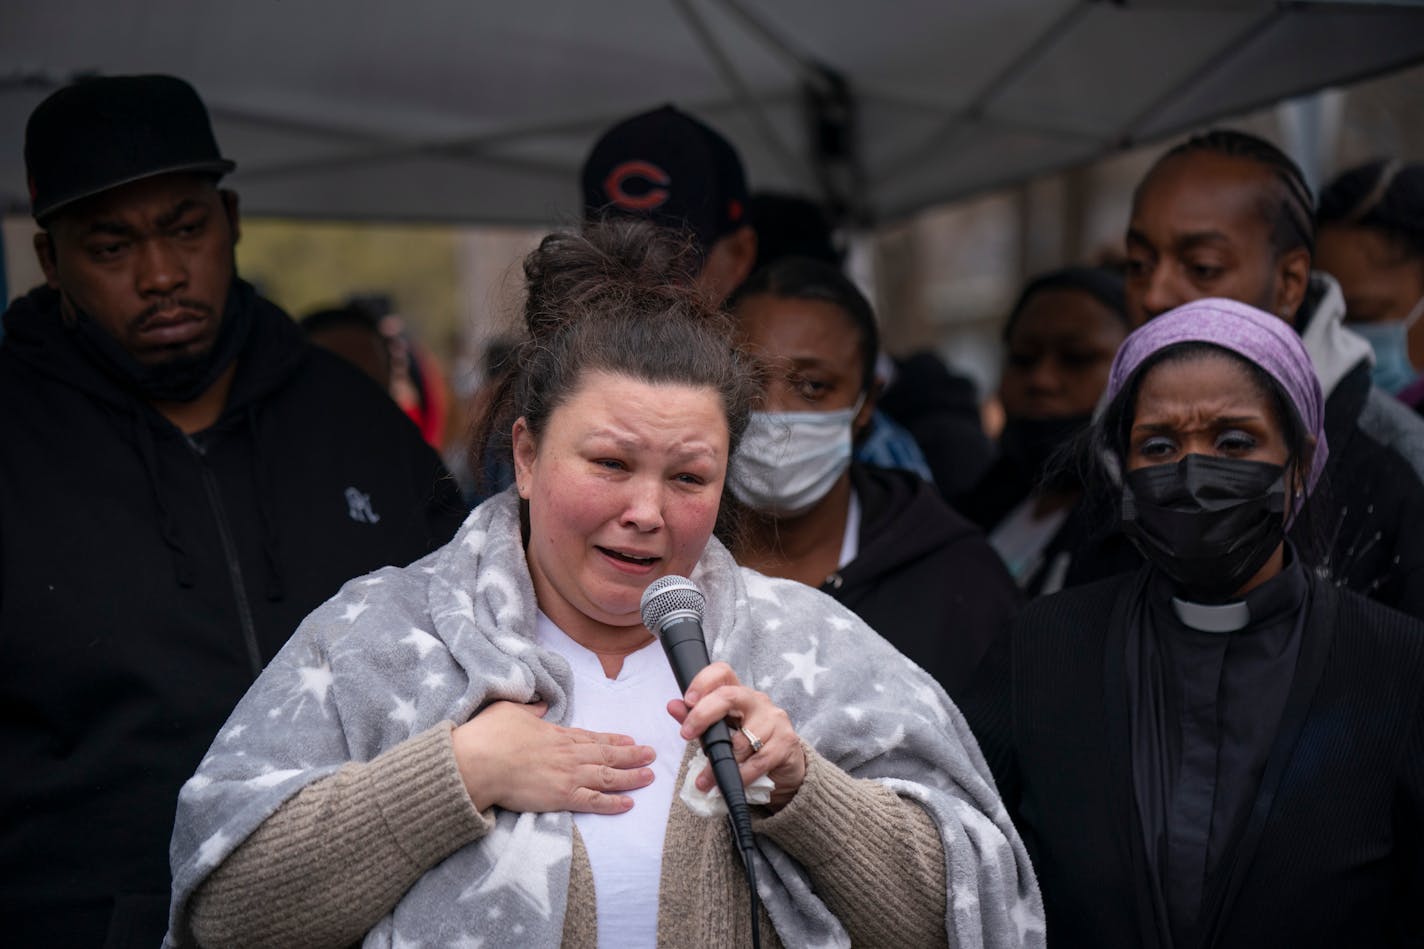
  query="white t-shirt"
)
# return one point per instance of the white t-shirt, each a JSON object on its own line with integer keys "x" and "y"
{"x": 850, "y": 543}
{"x": 625, "y": 850}
{"x": 1021, "y": 538}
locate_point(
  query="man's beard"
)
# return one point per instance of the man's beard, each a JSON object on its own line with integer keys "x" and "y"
{"x": 180, "y": 378}
{"x": 181, "y": 373}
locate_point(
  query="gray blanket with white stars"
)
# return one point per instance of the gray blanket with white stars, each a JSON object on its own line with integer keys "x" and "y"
{"x": 400, "y": 650}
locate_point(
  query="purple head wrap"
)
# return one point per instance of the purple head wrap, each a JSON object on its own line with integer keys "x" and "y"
{"x": 1261, "y": 338}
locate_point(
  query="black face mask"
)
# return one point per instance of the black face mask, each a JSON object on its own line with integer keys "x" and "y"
{"x": 177, "y": 380}
{"x": 1208, "y": 523}
{"x": 1032, "y": 443}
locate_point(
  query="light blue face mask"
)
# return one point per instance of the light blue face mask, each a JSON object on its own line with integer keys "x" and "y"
{"x": 1390, "y": 341}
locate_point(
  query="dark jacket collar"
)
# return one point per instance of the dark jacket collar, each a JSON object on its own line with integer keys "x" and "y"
{"x": 902, "y": 519}
{"x": 35, "y": 335}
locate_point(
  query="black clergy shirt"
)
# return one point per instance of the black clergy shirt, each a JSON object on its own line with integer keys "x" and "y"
{"x": 1207, "y": 685}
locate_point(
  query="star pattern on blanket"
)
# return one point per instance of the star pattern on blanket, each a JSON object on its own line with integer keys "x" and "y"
{"x": 274, "y": 777}
{"x": 404, "y": 712}
{"x": 1026, "y": 919}
{"x": 804, "y": 667}
{"x": 964, "y": 899}
{"x": 475, "y": 540}
{"x": 464, "y": 605}
{"x": 315, "y": 681}
{"x": 422, "y": 641}
{"x": 761, "y": 588}
{"x": 213, "y": 849}
{"x": 890, "y": 742}
{"x": 524, "y": 853}
{"x": 508, "y": 609}
{"x": 354, "y": 610}
{"x": 927, "y": 698}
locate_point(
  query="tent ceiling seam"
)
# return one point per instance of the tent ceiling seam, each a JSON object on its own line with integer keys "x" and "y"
{"x": 938, "y": 138}
{"x": 790, "y": 163}
{"x": 1129, "y": 130}
{"x": 806, "y": 67}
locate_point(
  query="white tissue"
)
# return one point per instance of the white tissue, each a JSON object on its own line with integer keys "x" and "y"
{"x": 710, "y": 803}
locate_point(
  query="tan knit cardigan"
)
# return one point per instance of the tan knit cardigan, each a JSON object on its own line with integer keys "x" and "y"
{"x": 336, "y": 857}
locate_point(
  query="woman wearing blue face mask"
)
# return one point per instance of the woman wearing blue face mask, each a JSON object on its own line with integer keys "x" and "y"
{"x": 1220, "y": 748}
{"x": 1371, "y": 240}
{"x": 879, "y": 540}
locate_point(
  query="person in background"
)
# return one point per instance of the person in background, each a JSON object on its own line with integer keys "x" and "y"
{"x": 1371, "y": 240}
{"x": 498, "y": 752}
{"x": 183, "y": 477}
{"x": 354, "y": 334}
{"x": 879, "y": 540}
{"x": 417, "y": 380}
{"x": 1059, "y": 341}
{"x": 1222, "y": 748}
{"x": 1227, "y": 214}
{"x": 789, "y": 225}
{"x": 939, "y": 408}
{"x": 496, "y": 363}
{"x": 667, "y": 167}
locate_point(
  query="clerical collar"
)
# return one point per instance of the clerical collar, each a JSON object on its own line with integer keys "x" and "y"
{"x": 1212, "y": 617}
{"x": 1282, "y": 593}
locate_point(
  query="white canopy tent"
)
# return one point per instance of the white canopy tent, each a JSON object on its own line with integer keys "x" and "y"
{"x": 447, "y": 110}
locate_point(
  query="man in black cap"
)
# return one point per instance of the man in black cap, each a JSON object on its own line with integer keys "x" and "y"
{"x": 182, "y": 479}
{"x": 669, "y": 167}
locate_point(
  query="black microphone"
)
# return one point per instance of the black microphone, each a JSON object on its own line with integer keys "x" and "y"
{"x": 672, "y": 610}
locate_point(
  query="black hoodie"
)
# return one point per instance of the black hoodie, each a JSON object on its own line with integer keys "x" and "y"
{"x": 923, "y": 577}
{"x": 941, "y": 410}
{"x": 147, "y": 576}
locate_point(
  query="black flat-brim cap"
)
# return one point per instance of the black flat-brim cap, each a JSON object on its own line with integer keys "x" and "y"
{"x": 108, "y": 131}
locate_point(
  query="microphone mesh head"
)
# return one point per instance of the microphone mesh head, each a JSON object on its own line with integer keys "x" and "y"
{"x": 668, "y": 595}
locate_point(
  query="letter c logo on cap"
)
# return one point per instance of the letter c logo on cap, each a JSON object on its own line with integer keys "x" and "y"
{"x": 655, "y": 196}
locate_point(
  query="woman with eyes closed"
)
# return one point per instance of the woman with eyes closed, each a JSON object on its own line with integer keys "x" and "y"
{"x": 1219, "y": 749}
{"x": 489, "y": 748}
{"x": 878, "y": 540}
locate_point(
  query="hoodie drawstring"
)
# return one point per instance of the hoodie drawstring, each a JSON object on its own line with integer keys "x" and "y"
{"x": 167, "y": 525}
{"x": 276, "y": 588}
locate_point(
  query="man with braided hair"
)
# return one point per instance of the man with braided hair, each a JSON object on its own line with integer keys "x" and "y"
{"x": 1227, "y": 214}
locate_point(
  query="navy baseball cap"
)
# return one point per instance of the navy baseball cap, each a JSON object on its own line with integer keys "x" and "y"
{"x": 107, "y": 131}
{"x": 667, "y": 166}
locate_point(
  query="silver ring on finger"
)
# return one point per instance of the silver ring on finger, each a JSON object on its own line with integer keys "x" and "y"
{"x": 752, "y": 739}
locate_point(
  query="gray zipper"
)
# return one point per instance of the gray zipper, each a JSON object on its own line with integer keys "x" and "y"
{"x": 234, "y": 569}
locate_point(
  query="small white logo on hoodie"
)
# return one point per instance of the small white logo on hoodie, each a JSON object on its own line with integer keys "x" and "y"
{"x": 358, "y": 505}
